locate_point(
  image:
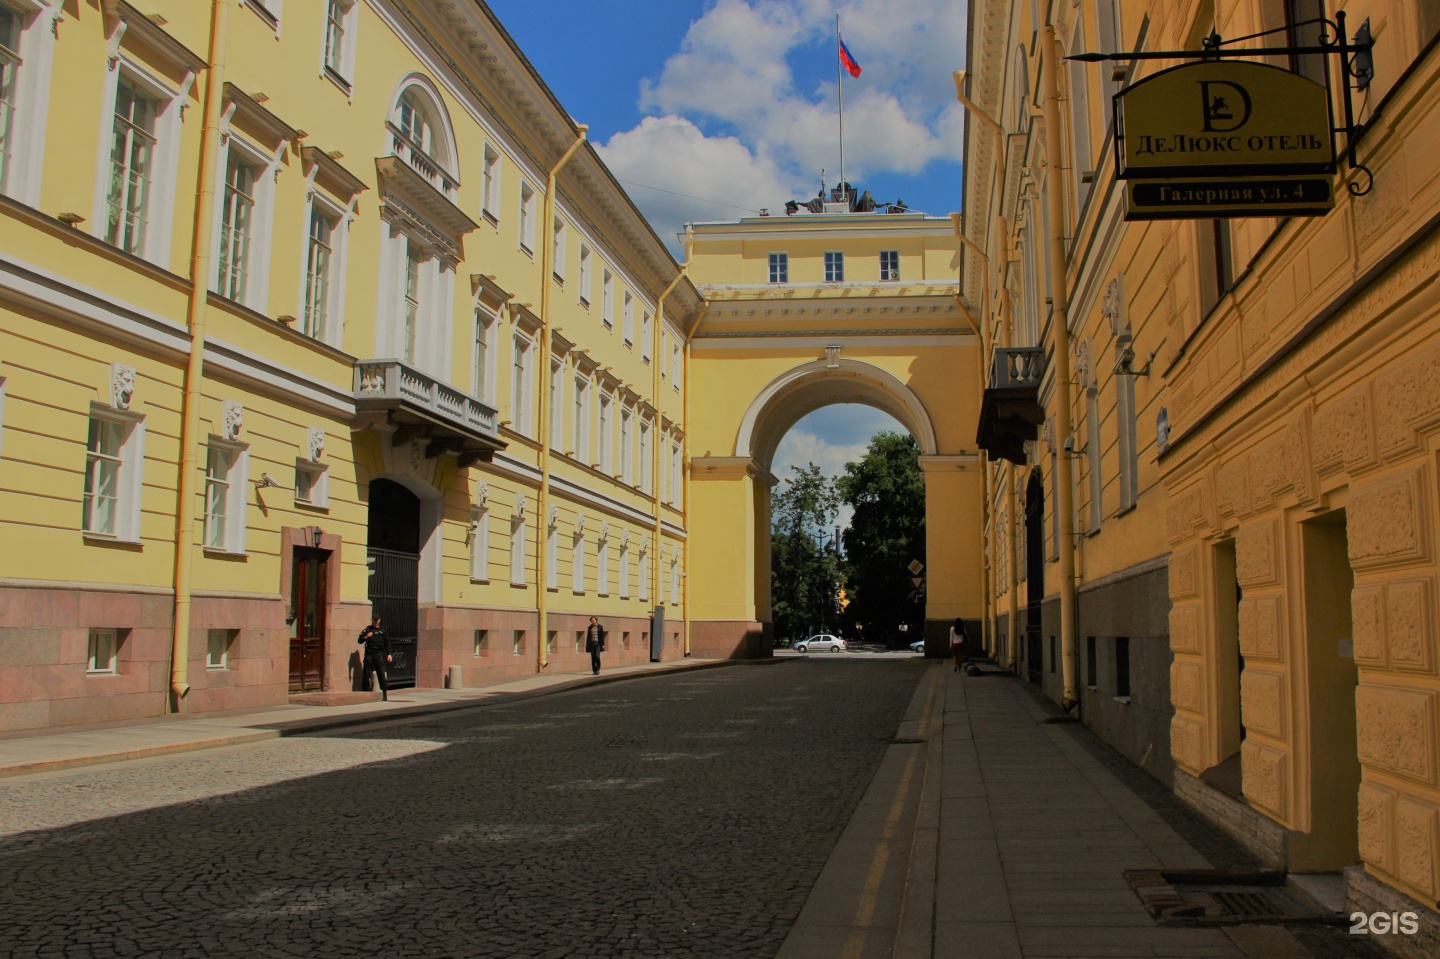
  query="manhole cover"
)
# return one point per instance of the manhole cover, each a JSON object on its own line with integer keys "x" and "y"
{"x": 1245, "y": 903}
{"x": 1219, "y": 897}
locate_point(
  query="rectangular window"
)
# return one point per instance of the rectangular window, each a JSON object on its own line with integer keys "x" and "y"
{"x": 312, "y": 485}
{"x": 676, "y": 477}
{"x": 316, "y": 313}
{"x": 584, "y": 275}
{"x": 834, "y": 267}
{"x": 644, "y": 456}
{"x": 607, "y": 300}
{"x": 550, "y": 638}
{"x": 480, "y": 545}
{"x": 482, "y": 375}
{"x": 558, "y": 266}
{"x": 520, "y": 386}
{"x": 225, "y": 498}
{"x": 577, "y": 563}
{"x": 557, "y": 410}
{"x": 1093, "y": 459}
{"x": 1216, "y": 263}
{"x": 602, "y": 567}
{"x": 624, "y": 571}
{"x": 645, "y": 336}
{"x": 517, "y": 643}
{"x": 1126, "y": 447}
{"x": 552, "y": 557}
{"x": 675, "y": 362}
{"x": 490, "y": 185}
{"x": 674, "y": 582}
{"x": 889, "y": 264}
{"x": 1122, "y": 666}
{"x": 779, "y": 267}
{"x": 132, "y": 167}
{"x": 517, "y": 551}
{"x": 338, "y": 45}
{"x": 624, "y": 640}
{"x": 103, "y": 654}
{"x": 527, "y": 218}
{"x": 412, "y": 303}
{"x": 605, "y": 462}
{"x": 582, "y": 419}
{"x": 579, "y": 640}
{"x": 627, "y": 451}
{"x": 629, "y": 327}
{"x": 9, "y": 67}
{"x": 237, "y": 224}
{"x": 643, "y": 580}
{"x": 217, "y": 648}
{"x": 114, "y": 459}
{"x": 482, "y": 643}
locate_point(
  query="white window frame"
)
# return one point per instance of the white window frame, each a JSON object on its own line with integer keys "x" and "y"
{"x": 522, "y": 384}
{"x": 585, "y": 276}
{"x": 643, "y": 573}
{"x": 319, "y": 482}
{"x": 891, "y": 273}
{"x": 517, "y": 550}
{"x": 482, "y": 355}
{"x": 479, "y": 544}
{"x": 604, "y": 461}
{"x": 517, "y": 642}
{"x": 646, "y": 428}
{"x": 129, "y": 476}
{"x": 160, "y": 204}
{"x": 557, "y": 264}
{"x": 552, "y": 557}
{"x": 332, "y": 331}
{"x": 490, "y": 184}
{"x": 257, "y": 286}
{"x": 267, "y": 10}
{"x": 340, "y": 69}
{"x": 527, "y": 218}
{"x": 107, "y": 641}
{"x": 834, "y": 266}
{"x": 21, "y": 174}
{"x": 624, "y": 570}
{"x": 434, "y": 345}
{"x": 231, "y": 533}
{"x": 628, "y": 329}
{"x": 577, "y": 563}
{"x": 482, "y": 644}
{"x": 602, "y": 566}
{"x": 645, "y": 328}
{"x": 779, "y": 268}
{"x": 607, "y": 299}
{"x": 557, "y": 400}
{"x": 582, "y": 418}
{"x": 627, "y": 446}
{"x": 675, "y": 363}
{"x": 675, "y": 580}
{"x": 226, "y": 638}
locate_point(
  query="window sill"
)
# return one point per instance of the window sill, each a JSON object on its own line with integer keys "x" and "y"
{"x": 105, "y": 539}
{"x": 479, "y": 582}
{"x": 527, "y": 251}
{"x": 519, "y": 585}
{"x": 340, "y": 82}
{"x": 584, "y": 303}
{"x": 101, "y": 673}
{"x": 490, "y": 218}
{"x": 216, "y": 552}
{"x": 215, "y": 669}
{"x": 1123, "y": 700}
{"x": 1125, "y": 509}
{"x": 559, "y": 279}
{"x": 264, "y": 14}
{"x": 312, "y": 507}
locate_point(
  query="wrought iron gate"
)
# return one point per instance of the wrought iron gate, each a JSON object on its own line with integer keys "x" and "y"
{"x": 395, "y": 598}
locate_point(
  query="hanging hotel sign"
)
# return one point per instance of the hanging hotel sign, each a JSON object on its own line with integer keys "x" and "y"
{"x": 1226, "y": 138}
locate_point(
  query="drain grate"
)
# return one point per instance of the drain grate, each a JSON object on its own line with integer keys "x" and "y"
{"x": 1245, "y": 903}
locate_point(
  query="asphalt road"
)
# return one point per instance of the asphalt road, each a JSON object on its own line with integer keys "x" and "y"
{"x": 668, "y": 817}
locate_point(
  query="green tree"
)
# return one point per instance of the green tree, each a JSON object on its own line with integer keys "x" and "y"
{"x": 886, "y": 532}
{"x": 804, "y": 575}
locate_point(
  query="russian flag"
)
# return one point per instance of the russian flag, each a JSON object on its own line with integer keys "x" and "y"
{"x": 847, "y": 61}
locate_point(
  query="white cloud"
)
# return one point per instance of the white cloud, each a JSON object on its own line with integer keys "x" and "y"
{"x": 672, "y": 154}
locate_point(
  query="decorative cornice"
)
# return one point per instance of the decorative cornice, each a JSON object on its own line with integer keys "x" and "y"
{"x": 407, "y": 197}
{"x": 340, "y": 180}
{"x": 490, "y": 293}
{"x": 152, "y": 35}
{"x": 249, "y": 109}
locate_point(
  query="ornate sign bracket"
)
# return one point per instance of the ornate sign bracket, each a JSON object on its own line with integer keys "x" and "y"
{"x": 1356, "y": 71}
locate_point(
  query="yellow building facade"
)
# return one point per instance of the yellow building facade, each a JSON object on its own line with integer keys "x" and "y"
{"x": 1228, "y": 424}
{"x": 306, "y": 310}
{"x": 837, "y": 301}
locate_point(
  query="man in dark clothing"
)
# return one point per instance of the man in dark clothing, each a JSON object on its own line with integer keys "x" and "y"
{"x": 595, "y": 643}
{"x": 377, "y": 654}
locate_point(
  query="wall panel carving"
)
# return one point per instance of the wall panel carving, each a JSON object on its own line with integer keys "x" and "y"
{"x": 1409, "y": 626}
{"x": 1386, "y": 522}
{"x": 1232, "y": 488}
{"x": 1186, "y": 683}
{"x": 1407, "y": 403}
{"x": 1269, "y": 473}
{"x": 1344, "y": 434}
{"x": 1183, "y": 563}
{"x": 1396, "y": 730}
{"x": 1262, "y": 702}
{"x": 1264, "y": 772}
{"x": 1417, "y": 843}
{"x": 1186, "y": 736}
{"x": 1185, "y": 629}
{"x": 1367, "y": 611}
{"x": 1190, "y": 513}
{"x": 1257, "y": 555}
{"x": 1270, "y": 628}
{"x": 1377, "y": 815}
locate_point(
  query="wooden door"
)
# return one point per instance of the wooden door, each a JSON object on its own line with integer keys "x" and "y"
{"x": 307, "y": 627}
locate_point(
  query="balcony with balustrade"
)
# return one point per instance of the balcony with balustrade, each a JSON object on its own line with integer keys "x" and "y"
{"x": 396, "y": 398}
{"x": 1011, "y": 412}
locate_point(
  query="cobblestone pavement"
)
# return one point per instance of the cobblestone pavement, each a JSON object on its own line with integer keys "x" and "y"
{"x": 671, "y": 817}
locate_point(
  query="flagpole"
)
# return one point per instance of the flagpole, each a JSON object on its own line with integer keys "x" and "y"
{"x": 840, "y": 79}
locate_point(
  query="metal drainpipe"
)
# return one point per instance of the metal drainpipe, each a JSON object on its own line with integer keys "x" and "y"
{"x": 195, "y": 364}
{"x": 685, "y": 453}
{"x": 1060, "y": 330}
{"x": 658, "y": 340}
{"x": 982, "y": 330}
{"x": 547, "y": 267}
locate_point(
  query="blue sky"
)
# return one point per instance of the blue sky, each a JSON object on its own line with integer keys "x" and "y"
{"x": 734, "y": 102}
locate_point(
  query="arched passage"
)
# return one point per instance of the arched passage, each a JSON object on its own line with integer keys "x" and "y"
{"x": 403, "y": 559}
{"x": 730, "y": 505}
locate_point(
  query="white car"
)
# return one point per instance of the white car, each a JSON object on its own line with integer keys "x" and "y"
{"x": 918, "y": 646}
{"x": 821, "y": 641}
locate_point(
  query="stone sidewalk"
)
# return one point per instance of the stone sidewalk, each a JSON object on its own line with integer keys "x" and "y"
{"x": 1022, "y": 832}
{"x": 56, "y": 749}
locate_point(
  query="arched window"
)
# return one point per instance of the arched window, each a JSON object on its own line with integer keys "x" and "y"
{"x": 419, "y": 133}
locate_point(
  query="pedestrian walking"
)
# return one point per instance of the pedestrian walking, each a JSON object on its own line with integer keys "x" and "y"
{"x": 377, "y": 654}
{"x": 595, "y": 644}
{"x": 958, "y": 639}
